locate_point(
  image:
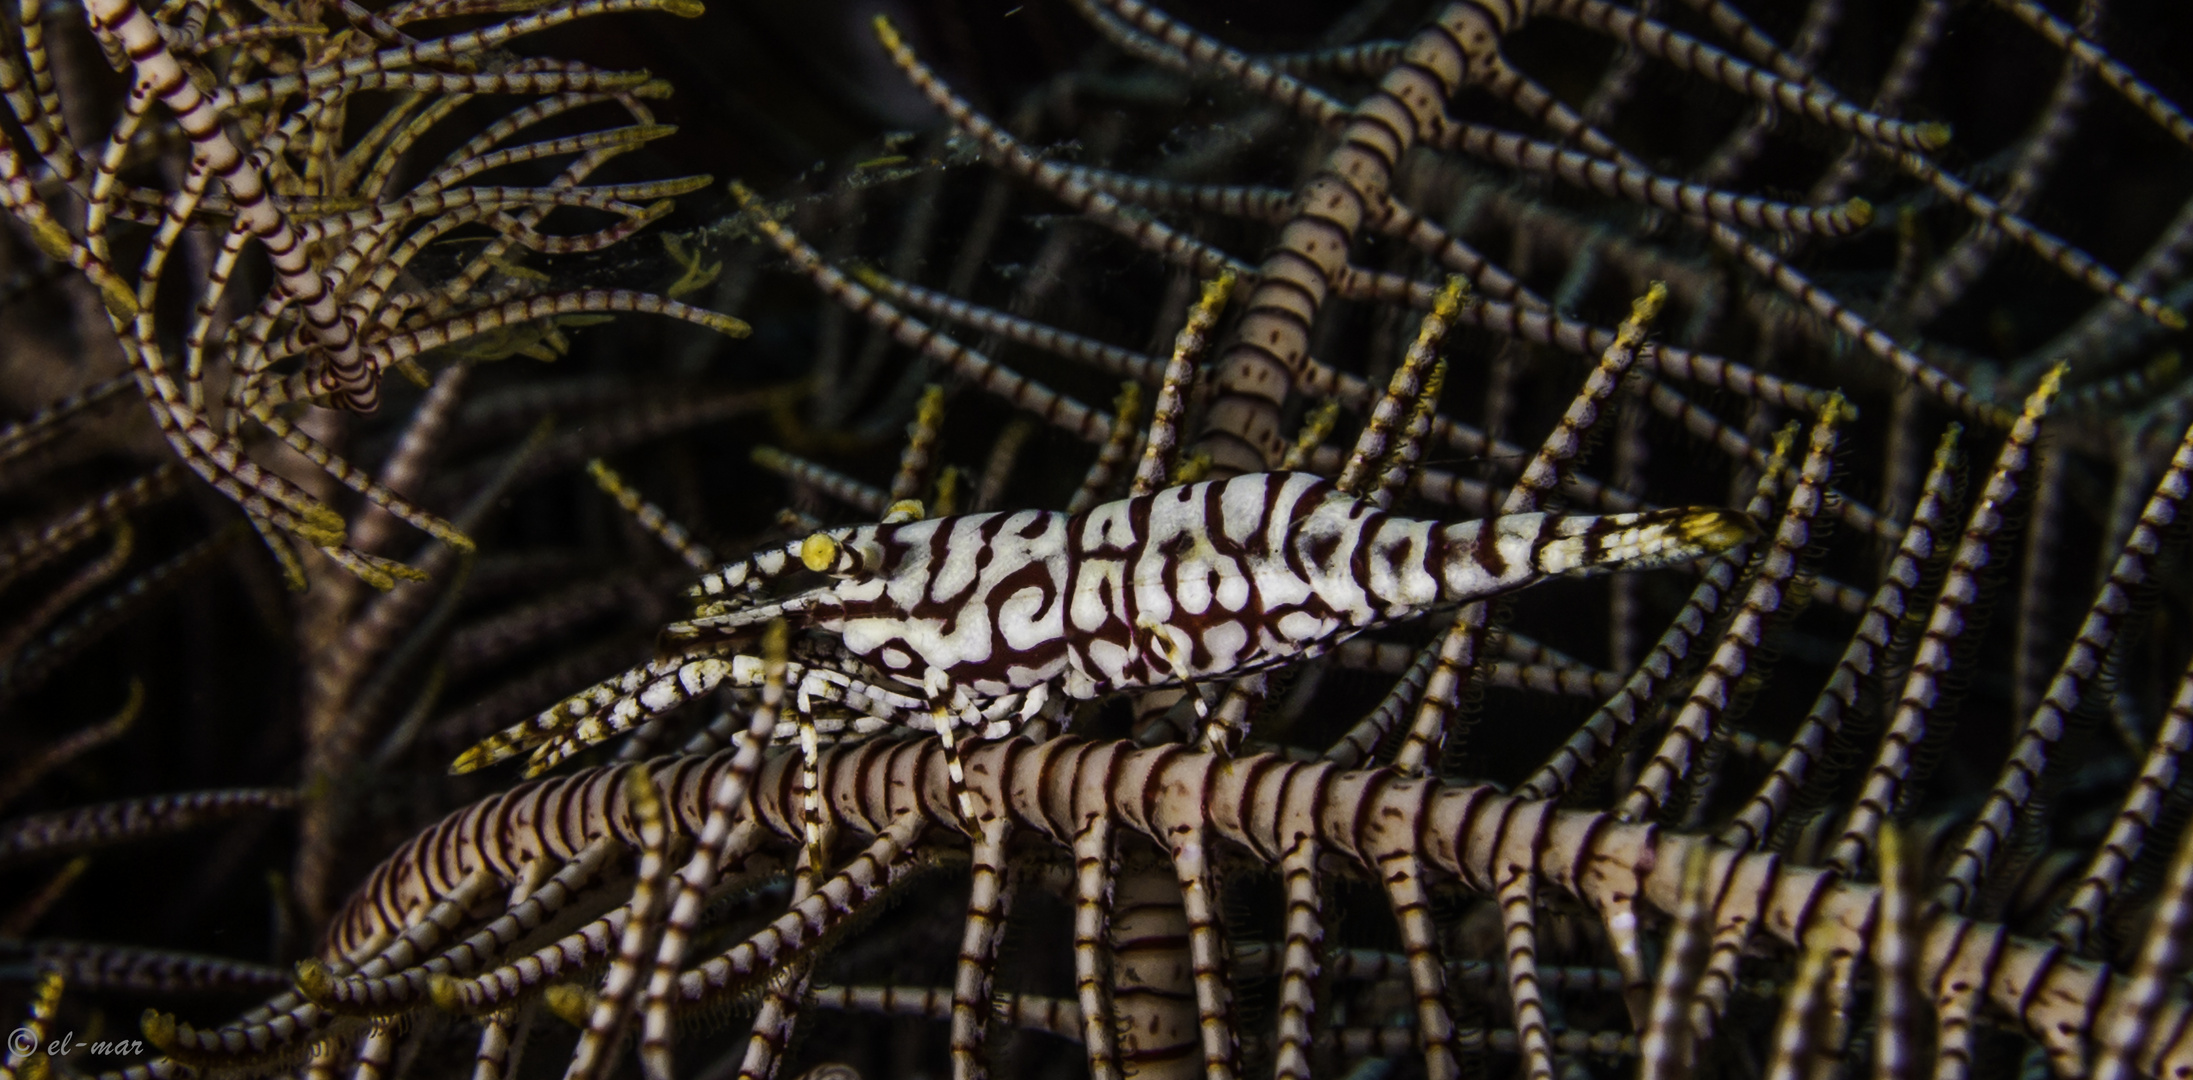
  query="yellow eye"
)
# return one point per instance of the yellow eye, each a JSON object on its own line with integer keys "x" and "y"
{"x": 819, "y": 552}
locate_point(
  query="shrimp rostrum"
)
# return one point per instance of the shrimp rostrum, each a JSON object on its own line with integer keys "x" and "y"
{"x": 987, "y": 621}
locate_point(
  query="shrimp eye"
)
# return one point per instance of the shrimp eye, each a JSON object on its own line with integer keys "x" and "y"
{"x": 819, "y": 552}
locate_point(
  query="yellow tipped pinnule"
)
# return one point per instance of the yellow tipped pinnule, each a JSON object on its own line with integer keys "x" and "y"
{"x": 685, "y": 185}
{"x": 484, "y": 753}
{"x": 819, "y": 552}
{"x": 684, "y": 9}
{"x": 315, "y": 981}
{"x": 902, "y": 511}
{"x": 1218, "y": 288}
{"x": 1646, "y": 308}
{"x": 1859, "y": 211}
{"x": 888, "y": 34}
{"x": 441, "y": 989}
{"x": 2051, "y": 382}
{"x": 2171, "y": 318}
{"x": 319, "y": 516}
{"x": 571, "y": 1004}
{"x": 1717, "y": 530}
{"x": 1448, "y": 304}
{"x": 653, "y": 88}
{"x": 722, "y": 323}
{"x": 1837, "y": 409}
{"x": 1129, "y": 401}
{"x": 641, "y": 795}
{"x": 1934, "y": 136}
{"x": 159, "y": 1029}
{"x": 640, "y": 133}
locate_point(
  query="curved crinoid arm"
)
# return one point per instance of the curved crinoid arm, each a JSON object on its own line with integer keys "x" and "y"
{"x": 1367, "y": 824}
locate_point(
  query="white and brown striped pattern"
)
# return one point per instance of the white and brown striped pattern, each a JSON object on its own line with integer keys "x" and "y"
{"x": 1946, "y": 623}
{"x": 1239, "y": 575}
{"x": 1265, "y": 804}
{"x": 2082, "y": 666}
{"x": 988, "y": 613}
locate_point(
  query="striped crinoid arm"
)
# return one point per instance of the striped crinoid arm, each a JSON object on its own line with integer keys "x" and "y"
{"x": 58, "y": 754}
{"x": 1792, "y": 89}
{"x": 1524, "y": 154}
{"x": 1267, "y": 355}
{"x": 1367, "y": 824}
{"x": 650, "y": 517}
{"x": 281, "y": 1029}
{"x": 620, "y": 987}
{"x": 1669, "y": 1047}
{"x": 2132, "y": 826}
{"x": 1162, "y": 436}
{"x": 2111, "y": 71}
{"x": 916, "y": 460}
{"x": 1711, "y": 695}
{"x": 1029, "y": 1012}
{"x": 219, "y": 157}
{"x": 1905, "y": 145}
{"x": 95, "y": 966}
{"x": 701, "y": 870}
{"x": 2010, "y": 797}
{"x": 1102, "y": 208}
{"x": 1461, "y": 647}
{"x": 63, "y": 832}
{"x": 1891, "y": 603}
{"x": 1545, "y": 327}
{"x": 1405, "y": 393}
{"x": 871, "y": 501}
{"x": 532, "y": 904}
{"x": 1517, "y": 890}
{"x": 1951, "y": 618}
{"x": 30, "y": 548}
{"x": 2162, "y": 959}
{"x": 989, "y": 902}
{"x": 1053, "y": 408}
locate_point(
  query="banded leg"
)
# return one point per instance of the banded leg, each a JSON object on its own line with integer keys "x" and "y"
{"x": 1736, "y": 920}
{"x": 500, "y": 1045}
{"x": 1094, "y": 870}
{"x": 780, "y": 1005}
{"x": 988, "y": 901}
{"x": 613, "y": 1010}
{"x": 1305, "y": 943}
{"x": 1393, "y": 847}
{"x": 704, "y": 866}
{"x": 1797, "y": 1030}
{"x": 1518, "y": 899}
{"x": 1895, "y": 960}
{"x": 943, "y": 718}
{"x": 1206, "y": 951}
{"x": 1667, "y": 1048}
{"x": 375, "y": 1052}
